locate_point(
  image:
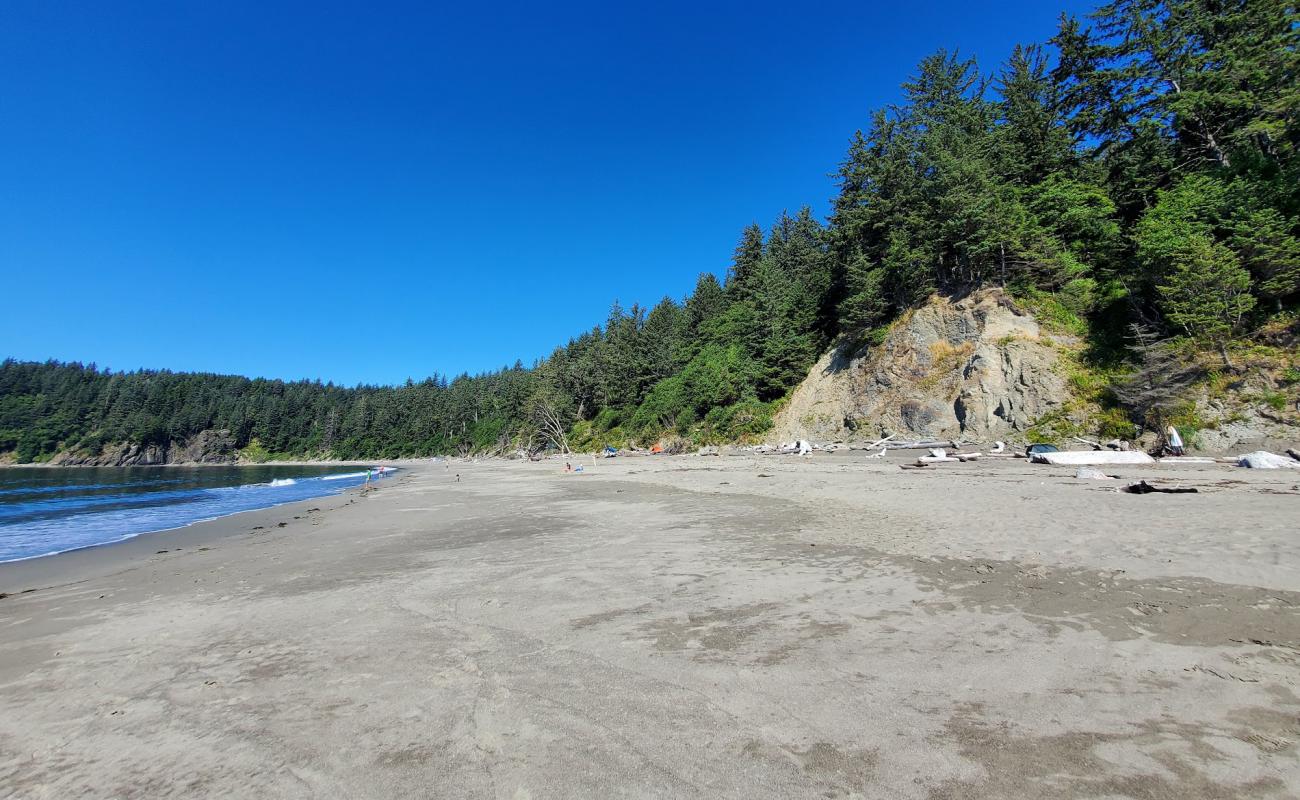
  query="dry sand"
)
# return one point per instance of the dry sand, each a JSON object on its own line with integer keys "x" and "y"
{"x": 732, "y": 627}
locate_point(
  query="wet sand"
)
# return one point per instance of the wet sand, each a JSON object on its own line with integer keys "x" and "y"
{"x": 676, "y": 627}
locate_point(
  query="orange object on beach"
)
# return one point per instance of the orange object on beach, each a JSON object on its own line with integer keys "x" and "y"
{"x": 657, "y": 448}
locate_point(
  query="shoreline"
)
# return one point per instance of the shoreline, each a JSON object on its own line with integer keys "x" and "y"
{"x": 108, "y": 558}
{"x": 196, "y": 464}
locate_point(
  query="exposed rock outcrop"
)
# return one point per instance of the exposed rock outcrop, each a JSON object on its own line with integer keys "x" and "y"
{"x": 1238, "y": 422}
{"x": 975, "y": 367}
{"x": 205, "y": 447}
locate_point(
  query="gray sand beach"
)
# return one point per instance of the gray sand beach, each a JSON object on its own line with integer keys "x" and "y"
{"x": 731, "y": 627}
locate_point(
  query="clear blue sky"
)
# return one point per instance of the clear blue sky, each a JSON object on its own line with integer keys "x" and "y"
{"x": 365, "y": 194}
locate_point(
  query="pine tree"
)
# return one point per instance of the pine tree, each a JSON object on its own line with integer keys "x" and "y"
{"x": 1205, "y": 292}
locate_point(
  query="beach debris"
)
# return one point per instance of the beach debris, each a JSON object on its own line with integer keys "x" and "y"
{"x": 1176, "y": 460}
{"x": 1000, "y": 450}
{"x": 937, "y": 455}
{"x": 922, "y": 445}
{"x": 881, "y": 454}
{"x": 1078, "y": 457}
{"x": 1142, "y": 487}
{"x": 940, "y": 455}
{"x": 708, "y": 451}
{"x": 765, "y": 475}
{"x": 1262, "y": 459}
{"x": 1294, "y": 453}
{"x": 1089, "y": 442}
{"x": 1092, "y": 474}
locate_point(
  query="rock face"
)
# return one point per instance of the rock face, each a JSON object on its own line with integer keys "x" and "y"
{"x": 205, "y": 447}
{"x": 1240, "y": 425}
{"x": 975, "y": 367}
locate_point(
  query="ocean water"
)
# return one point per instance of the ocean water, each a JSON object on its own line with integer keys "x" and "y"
{"x": 47, "y": 511}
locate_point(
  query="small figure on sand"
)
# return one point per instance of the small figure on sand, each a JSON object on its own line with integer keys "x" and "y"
{"x": 568, "y": 467}
{"x": 1175, "y": 441}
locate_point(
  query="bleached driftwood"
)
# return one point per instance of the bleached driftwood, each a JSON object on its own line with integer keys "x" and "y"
{"x": 921, "y": 445}
{"x": 1262, "y": 459}
{"x": 937, "y": 456}
{"x": 1078, "y": 457}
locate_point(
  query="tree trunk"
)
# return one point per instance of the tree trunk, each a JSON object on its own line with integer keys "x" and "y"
{"x": 1223, "y": 351}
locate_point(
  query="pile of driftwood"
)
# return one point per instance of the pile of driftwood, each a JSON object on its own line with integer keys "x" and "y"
{"x": 940, "y": 455}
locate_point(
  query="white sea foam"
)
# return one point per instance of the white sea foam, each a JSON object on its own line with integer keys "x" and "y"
{"x": 375, "y": 473}
{"x": 341, "y": 477}
{"x": 283, "y": 482}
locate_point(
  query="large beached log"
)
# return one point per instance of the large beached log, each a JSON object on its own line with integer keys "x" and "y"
{"x": 921, "y": 445}
{"x": 1077, "y": 457}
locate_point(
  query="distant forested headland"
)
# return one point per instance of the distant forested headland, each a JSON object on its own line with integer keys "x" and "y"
{"x": 1139, "y": 169}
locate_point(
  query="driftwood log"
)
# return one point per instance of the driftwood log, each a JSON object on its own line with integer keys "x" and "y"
{"x": 927, "y": 445}
{"x": 1142, "y": 487}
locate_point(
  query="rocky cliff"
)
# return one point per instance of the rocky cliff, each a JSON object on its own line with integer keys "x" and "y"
{"x": 205, "y": 447}
{"x": 977, "y": 367}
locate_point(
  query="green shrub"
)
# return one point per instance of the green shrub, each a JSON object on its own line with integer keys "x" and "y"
{"x": 1113, "y": 423}
{"x": 255, "y": 452}
{"x": 1274, "y": 400}
{"x": 606, "y": 419}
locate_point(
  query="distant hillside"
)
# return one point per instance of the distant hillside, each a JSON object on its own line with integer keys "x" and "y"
{"x": 1134, "y": 182}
